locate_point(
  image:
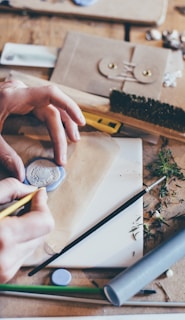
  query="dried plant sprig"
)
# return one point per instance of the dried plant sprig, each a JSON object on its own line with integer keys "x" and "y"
{"x": 165, "y": 165}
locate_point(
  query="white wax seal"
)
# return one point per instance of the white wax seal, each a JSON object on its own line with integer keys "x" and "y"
{"x": 43, "y": 172}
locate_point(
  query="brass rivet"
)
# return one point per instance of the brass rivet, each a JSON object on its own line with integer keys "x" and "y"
{"x": 112, "y": 66}
{"x": 147, "y": 73}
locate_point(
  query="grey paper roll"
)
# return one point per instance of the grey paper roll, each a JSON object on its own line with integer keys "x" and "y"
{"x": 153, "y": 264}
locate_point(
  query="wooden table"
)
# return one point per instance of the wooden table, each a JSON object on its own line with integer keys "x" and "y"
{"x": 51, "y": 30}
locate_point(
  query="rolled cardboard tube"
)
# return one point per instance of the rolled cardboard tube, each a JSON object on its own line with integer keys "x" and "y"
{"x": 126, "y": 284}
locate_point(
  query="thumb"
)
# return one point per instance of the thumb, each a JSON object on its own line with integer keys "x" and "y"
{"x": 11, "y": 160}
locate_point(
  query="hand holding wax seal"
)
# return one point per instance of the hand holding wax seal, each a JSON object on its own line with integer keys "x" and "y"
{"x": 24, "y": 234}
{"x": 43, "y": 172}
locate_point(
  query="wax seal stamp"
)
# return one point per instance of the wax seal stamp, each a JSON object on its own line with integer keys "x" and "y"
{"x": 43, "y": 172}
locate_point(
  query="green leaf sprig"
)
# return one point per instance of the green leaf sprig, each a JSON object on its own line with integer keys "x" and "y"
{"x": 165, "y": 165}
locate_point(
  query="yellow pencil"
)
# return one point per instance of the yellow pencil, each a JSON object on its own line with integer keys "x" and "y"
{"x": 20, "y": 203}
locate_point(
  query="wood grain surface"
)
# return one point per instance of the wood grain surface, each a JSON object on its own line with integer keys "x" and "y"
{"x": 50, "y": 30}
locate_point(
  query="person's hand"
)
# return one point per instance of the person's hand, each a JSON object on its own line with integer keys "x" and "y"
{"x": 51, "y": 106}
{"x": 20, "y": 236}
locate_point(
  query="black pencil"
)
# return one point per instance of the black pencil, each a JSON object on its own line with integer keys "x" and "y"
{"x": 95, "y": 227}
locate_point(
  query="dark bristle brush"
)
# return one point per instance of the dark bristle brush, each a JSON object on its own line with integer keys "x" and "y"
{"x": 152, "y": 115}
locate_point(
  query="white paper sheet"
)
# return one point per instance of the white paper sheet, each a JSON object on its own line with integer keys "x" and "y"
{"x": 112, "y": 245}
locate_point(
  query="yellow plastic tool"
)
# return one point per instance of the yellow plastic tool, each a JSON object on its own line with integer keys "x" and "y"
{"x": 117, "y": 128}
{"x": 102, "y": 123}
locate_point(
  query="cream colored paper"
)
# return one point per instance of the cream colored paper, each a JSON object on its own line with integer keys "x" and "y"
{"x": 88, "y": 162}
{"x": 114, "y": 244}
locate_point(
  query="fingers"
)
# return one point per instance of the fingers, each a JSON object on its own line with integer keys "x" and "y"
{"x": 71, "y": 127}
{"x": 12, "y": 189}
{"x": 20, "y": 236}
{"x": 51, "y": 94}
{"x": 50, "y": 105}
{"x": 34, "y": 224}
{"x": 11, "y": 160}
{"x": 58, "y": 107}
{"x": 57, "y": 134}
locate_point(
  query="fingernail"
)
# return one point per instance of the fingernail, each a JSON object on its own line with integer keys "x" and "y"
{"x": 77, "y": 135}
{"x": 64, "y": 158}
{"x": 82, "y": 119}
{"x": 44, "y": 193}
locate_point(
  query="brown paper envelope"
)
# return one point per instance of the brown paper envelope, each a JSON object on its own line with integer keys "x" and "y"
{"x": 102, "y": 65}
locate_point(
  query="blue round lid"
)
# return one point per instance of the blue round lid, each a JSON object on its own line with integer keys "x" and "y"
{"x": 61, "y": 277}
